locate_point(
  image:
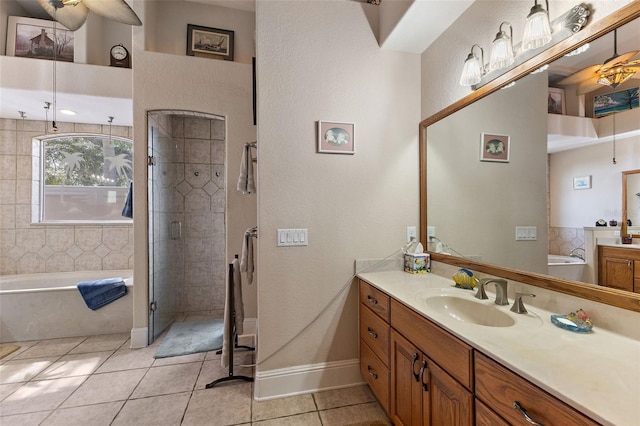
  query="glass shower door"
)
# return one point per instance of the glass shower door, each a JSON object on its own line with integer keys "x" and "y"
{"x": 165, "y": 227}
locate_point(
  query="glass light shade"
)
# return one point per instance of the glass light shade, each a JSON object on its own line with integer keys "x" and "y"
{"x": 472, "y": 71}
{"x": 537, "y": 30}
{"x": 615, "y": 77}
{"x": 501, "y": 52}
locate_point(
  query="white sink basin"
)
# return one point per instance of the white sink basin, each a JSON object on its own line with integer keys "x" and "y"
{"x": 469, "y": 311}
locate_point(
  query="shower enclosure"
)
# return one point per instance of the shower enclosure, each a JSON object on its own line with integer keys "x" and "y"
{"x": 187, "y": 207}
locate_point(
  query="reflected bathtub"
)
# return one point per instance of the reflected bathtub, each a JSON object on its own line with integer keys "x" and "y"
{"x": 565, "y": 267}
{"x": 49, "y": 306}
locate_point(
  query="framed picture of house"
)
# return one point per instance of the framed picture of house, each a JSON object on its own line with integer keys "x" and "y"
{"x": 495, "y": 147}
{"x": 555, "y": 101}
{"x": 39, "y": 39}
{"x": 335, "y": 137}
{"x": 209, "y": 42}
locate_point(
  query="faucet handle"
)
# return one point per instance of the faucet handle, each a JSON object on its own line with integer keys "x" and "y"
{"x": 481, "y": 294}
{"x": 518, "y": 306}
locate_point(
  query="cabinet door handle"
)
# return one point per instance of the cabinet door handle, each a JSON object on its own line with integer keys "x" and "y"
{"x": 372, "y": 372}
{"x": 524, "y": 413}
{"x": 413, "y": 367}
{"x": 424, "y": 372}
{"x": 372, "y": 300}
{"x": 372, "y": 333}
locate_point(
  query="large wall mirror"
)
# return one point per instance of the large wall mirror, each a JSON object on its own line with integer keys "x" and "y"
{"x": 559, "y": 169}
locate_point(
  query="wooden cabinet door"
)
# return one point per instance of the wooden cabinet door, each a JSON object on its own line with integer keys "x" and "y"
{"x": 406, "y": 388}
{"x": 617, "y": 273}
{"x": 451, "y": 404}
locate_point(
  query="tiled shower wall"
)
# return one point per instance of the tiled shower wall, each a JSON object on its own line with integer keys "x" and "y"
{"x": 194, "y": 194}
{"x": 563, "y": 240}
{"x": 27, "y": 248}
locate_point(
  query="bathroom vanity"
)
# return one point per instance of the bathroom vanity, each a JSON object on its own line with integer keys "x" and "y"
{"x": 619, "y": 266}
{"x": 430, "y": 364}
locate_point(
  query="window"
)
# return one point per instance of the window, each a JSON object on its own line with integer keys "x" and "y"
{"x": 85, "y": 178}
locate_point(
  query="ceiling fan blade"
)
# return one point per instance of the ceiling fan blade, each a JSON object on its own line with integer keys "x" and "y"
{"x": 620, "y": 59}
{"x": 588, "y": 86}
{"x": 579, "y": 76}
{"x": 116, "y": 10}
{"x": 72, "y": 17}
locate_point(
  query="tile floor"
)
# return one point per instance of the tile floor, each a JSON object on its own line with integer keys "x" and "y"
{"x": 98, "y": 380}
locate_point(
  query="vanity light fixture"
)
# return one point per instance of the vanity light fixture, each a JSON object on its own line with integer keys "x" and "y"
{"x": 579, "y": 50}
{"x": 537, "y": 30}
{"x": 502, "y": 50}
{"x": 473, "y": 69}
{"x": 542, "y": 68}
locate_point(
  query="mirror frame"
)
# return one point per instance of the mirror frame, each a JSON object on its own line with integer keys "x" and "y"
{"x": 590, "y": 32}
{"x": 623, "y": 225}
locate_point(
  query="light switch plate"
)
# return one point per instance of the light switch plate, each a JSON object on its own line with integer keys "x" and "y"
{"x": 526, "y": 233}
{"x": 292, "y": 237}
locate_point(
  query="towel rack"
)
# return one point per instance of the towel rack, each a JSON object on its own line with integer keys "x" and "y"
{"x": 234, "y": 344}
{"x": 249, "y": 145}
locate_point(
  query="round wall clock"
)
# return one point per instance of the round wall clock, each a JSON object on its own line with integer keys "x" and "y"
{"x": 120, "y": 56}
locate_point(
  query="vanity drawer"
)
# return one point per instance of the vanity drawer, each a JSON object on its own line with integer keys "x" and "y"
{"x": 375, "y": 374}
{"x": 486, "y": 417}
{"x": 375, "y": 299}
{"x": 375, "y": 333}
{"x": 499, "y": 388}
{"x": 449, "y": 352}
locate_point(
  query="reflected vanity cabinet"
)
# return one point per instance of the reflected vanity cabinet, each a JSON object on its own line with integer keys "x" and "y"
{"x": 619, "y": 267}
{"x": 423, "y": 375}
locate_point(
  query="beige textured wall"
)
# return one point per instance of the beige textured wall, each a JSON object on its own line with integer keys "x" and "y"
{"x": 472, "y": 202}
{"x": 321, "y": 61}
{"x": 479, "y": 24}
{"x": 571, "y": 208}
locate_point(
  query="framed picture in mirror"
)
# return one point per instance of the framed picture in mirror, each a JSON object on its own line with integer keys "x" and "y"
{"x": 495, "y": 147}
{"x": 555, "y": 101}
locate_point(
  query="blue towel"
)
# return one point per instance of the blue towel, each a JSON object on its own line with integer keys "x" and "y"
{"x": 127, "y": 211}
{"x": 98, "y": 293}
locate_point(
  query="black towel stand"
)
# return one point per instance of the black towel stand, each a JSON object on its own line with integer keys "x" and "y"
{"x": 231, "y": 347}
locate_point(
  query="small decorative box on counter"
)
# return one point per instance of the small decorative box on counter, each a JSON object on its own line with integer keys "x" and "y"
{"x": 419, "y": 263}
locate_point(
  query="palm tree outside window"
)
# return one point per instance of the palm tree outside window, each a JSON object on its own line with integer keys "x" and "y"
{"x": 85, "y": 178}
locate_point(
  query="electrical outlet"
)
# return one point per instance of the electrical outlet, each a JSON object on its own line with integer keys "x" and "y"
{"x": 411, "y": 233}
{"x": 431, "y": 232}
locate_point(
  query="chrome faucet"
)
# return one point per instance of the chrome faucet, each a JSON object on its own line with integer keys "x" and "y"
{"x": 518, "y": 306}
{"x": 501, "y": 290}
{"x": 573, "y": 254}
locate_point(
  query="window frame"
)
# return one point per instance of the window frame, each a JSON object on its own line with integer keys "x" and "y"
{"x": 38, "y": 196}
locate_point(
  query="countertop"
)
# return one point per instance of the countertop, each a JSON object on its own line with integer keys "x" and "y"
{"x": 596, "y": 373}
{"x": 620, "y": 245}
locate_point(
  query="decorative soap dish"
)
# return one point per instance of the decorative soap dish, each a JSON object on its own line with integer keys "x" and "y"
{"x": 577, "y": 321}
{"x": 464, "y": 279}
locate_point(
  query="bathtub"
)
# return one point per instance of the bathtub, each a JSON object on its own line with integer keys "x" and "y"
{"x": 566, "y": 267}
{"x": 47, "y": 306}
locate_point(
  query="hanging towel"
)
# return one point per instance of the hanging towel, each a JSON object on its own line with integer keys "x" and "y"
{"x": 98, "y": 293}
{"x": 246, "y": 183}
{"x": 128, "y": 204}
{"x": 246, "y": 262}
{"x": 233, "y": 314}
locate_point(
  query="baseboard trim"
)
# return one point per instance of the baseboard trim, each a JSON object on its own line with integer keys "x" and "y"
{"x": 304, "y": 379}
{"x": 139, "y": 337}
